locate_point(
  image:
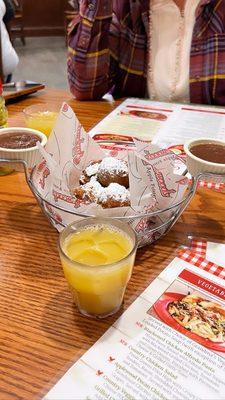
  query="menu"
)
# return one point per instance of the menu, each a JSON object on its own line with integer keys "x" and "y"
{"x": 169, "y": 344}
{"x": 166, "y": 124}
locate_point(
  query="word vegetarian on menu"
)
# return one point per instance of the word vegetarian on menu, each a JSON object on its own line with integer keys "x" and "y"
{"x": 169, "y": 344}
{"x": 165, "y": 124}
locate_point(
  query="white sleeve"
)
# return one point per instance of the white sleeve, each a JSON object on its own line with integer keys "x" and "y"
{"x": 2, "y": 9}
{"x": 9, "y": 57}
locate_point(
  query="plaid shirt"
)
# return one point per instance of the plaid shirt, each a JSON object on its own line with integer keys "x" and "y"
{"x": 108, "y": 50}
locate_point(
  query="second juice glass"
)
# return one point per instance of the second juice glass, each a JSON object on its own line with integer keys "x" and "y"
{"x": 40, "y": 117}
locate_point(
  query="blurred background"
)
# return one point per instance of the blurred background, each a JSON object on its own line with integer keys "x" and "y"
{"x": 38, "y": 32}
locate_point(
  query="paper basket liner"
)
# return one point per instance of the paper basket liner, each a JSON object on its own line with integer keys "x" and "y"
{"x": 153, "y": 183}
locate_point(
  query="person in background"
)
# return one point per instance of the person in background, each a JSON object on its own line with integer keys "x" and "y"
{"x": 10, "y": 11}
{"x": 9, "y": 55}
{"x": 167, "y": 50}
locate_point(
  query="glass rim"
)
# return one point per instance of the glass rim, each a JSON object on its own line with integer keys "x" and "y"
{"x": 110, "y": 222}
{"x": 30, "y": 110}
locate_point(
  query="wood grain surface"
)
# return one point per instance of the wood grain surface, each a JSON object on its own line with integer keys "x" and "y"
{"x": 42, "y": 334}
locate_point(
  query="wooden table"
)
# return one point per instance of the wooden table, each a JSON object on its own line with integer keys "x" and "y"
{"x": 42, "y": 334}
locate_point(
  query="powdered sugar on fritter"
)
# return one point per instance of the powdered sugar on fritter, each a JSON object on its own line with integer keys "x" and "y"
{"x": 92, "y": 169}
{"x": 116, "y": 192}
{"x": 103, "y": 194}
{"x": 93, "y": 187}
{"x": 113, "y": 165}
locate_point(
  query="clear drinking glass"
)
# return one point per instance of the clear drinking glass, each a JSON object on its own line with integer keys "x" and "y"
{"x": 41, "y": 117}
{"x": 98, "y": 290}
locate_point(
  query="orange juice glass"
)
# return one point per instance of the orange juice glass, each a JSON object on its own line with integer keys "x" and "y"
{"x": 97, "y": 256}
{"x": 40, "y": 117}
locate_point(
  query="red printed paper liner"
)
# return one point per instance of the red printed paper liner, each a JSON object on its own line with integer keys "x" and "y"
{"x": 161, "y": 309}
{"x": 178, "y": 149}
{"x": 155, "y": 184}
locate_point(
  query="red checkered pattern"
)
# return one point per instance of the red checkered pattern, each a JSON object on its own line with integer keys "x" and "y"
{"x": 201, "y": 262}
{"x": 199, "y": 246}
{"x": 211, "y": 185}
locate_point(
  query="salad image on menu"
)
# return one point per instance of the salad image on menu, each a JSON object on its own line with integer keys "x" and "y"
{"x": 193, "y": 313}
{"x": 200, "y": 316}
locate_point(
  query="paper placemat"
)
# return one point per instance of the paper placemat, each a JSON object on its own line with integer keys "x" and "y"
{"x": 147, "y": 353}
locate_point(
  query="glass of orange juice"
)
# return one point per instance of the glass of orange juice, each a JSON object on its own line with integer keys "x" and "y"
{"x": 40, "y": 117}
{"x": 97, "y": 256}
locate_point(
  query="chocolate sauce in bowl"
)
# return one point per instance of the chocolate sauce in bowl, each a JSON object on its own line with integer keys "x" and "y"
{"x": 212, "y": 152}
{"x": 19, "y": 140}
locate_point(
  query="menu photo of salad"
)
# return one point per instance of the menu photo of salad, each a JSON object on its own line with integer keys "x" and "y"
{"x": 199, "y": 316}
